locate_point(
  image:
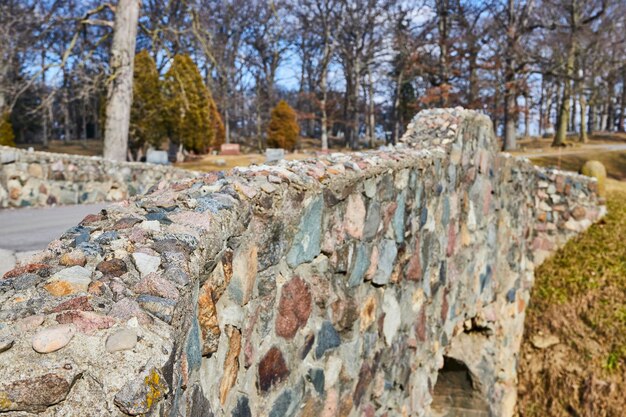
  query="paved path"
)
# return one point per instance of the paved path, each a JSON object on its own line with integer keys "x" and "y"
{"x": 28, "y": 230}
{"x": 605, "y": 147}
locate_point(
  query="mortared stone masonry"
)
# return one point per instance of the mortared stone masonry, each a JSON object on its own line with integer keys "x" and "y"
{"x": 343, "y": 286}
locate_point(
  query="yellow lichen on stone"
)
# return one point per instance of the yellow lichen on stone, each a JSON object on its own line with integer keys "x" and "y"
{"x": 5, "y": 403}
{"x": 154, "y": 393}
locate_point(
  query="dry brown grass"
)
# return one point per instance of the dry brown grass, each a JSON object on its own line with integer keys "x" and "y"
{"x": 580, "y": 297}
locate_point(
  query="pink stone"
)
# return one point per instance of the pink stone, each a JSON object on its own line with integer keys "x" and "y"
{"x": 354, "y": 219}
{"x": 451, "y": 239}
{"x": 85, "y": 321}
{"x": 53, "y": 338}
{"x": 155, "y": 284}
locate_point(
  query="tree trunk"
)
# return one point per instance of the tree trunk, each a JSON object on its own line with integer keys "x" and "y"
{"x": 324, "y": 87}
{"x": 226, "y": 124}
{"x": 371, "y": 115}
{"x": 66, "y": 117}
{"x": 526, "y": 115}
{"x": 564, "y": 111}
{"x": 120, "y": 89}
{"x": 610, "y": 110}
{"x": 622, "y": 116}
{"x": 354, "y": 139}
{"x": 396, "y": 108}
{"x": 583, "y": 119}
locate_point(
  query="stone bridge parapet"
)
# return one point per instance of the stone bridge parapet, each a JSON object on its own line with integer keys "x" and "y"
{"x": 391, "y": 282}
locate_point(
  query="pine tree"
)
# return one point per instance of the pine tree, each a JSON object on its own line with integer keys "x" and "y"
{"x": 147, "y": 126}
{"x": 283, "y": 128}
{"x": 6, "y": 131}
{"x": 218, "y": 124}
{"x": 187, "y": 106}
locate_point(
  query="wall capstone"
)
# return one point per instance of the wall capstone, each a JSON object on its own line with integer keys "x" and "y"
{"x": 337, "y": 286}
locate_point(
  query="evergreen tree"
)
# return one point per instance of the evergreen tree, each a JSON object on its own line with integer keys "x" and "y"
{"x": 147, "y": 126}
{"x": 283, "y": 128}
{"x": 187, "y": 106}
{"x": 218, "y": 124}
{"x": 6, "y": 131}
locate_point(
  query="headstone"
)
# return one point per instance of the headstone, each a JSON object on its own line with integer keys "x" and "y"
{"x": 157, "y": 157}
{"x": 274, "y": 154}
{"x": 230, "y": 149}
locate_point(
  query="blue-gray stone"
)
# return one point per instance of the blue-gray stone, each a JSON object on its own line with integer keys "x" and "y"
{"x": 306, "y": 244}
{"x": 510, "y": 295}
{"x": 215, "y": 202}
{"x": 398, "y": 217}
{"x": 423, "y": 216}
{"x": 24, "y": 281}
{"x": 316, "y": 376}
{"x": 242, "y": 409}
{"x": 282, "y": 405}
{"x": 159, "y": 216}
{"x": 193, "y": 350}
{"x": 372, "y": 220}
{"x": 360, "y": 263}
{"x": 386, "y": 258}
{"x": 160, "y": 307}
{"x": 90, "y": 248}
{"x": 107, "y": 237}
{"x": 485, "y": 278}
{"x": 327, "y": 339}
{"x": 445, "y": 217}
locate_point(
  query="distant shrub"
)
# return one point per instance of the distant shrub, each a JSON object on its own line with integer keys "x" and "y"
{"x": 7, "y": 137}
{"x": 147, "y": 126}
{"x": 187, "y": 106}
{"x": 218, "y": 124}
{"x": 283, "y": 128}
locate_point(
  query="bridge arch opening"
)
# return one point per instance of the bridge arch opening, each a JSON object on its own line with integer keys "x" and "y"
{"x": 456, "y": 392}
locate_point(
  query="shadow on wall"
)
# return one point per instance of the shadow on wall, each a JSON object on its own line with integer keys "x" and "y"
{"x": 456, "y": 392}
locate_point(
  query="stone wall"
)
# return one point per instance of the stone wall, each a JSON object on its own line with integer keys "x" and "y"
{"x": 43, "y": 178}
{"x": 382, "y": 283}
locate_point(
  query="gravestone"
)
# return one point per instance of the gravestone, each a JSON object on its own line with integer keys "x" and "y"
{"x": 274, "y": 154}
{"x": 229, "y": 149}
{"x": 157, "y": 157}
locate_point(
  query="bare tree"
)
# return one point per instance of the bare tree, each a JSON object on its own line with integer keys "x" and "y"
{"x": 120, "y": 90}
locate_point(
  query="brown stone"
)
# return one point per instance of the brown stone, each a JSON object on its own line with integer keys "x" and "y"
{"x": 414, "y": 267}
{"x": 14, "y": 193}
{"x": 85, "y": 321}
{"x": 344, "y": 313}
{"x": 75, "y": 257}
{"x": 33, "y": 394}
{"x": 272, "y": 369}
{"x": 77, "y": 303}
{"x": 542, "y": 216}
{"x": 312, "y": 408}
{"x": 420, "y": 325}
{"x": 294, "y": 308}
{"x": 231, "y": 364}
{"x": 207, "y": 317}
{"x": 368, "y": 313}
{"x": 92, "y": 218}
{"x": 125, "y": 223}
{"x": 579, "y": 213}
{"x": 39, "y": 269}
{"x": 365, "y": 378}
{"x": 60, "y": 288}
{"x": 112, "y": 268}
